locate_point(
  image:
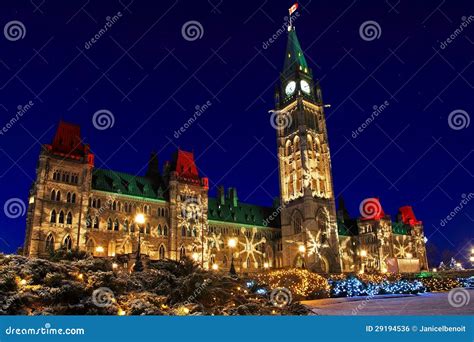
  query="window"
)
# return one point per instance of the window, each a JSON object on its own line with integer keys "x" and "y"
{"x": 162, "y": 252}
{"x": 160, "y": 231}
{"x": 61, "y": 217}
{"x": 89, "y": 221}
{"x": 53, "y": 195}
{"x": 67, "y": 243}
{"x": 69, "y": 218}
{"x": 125, "y": 226}
{"x": 194, "y": 231}
{"x": 68, "y": 197}
{"x": 148, "y": 229}
{"x": 73, "y": 198}
{"x": 183, "y": 231}
{"x": 116, "y": 225}
{"x": 96, "y": 222}
{"x": 109, "y": 224}
{"x": 165, "y": 230}
{"x": 58, "y": 195}
{"x": 49, "y": 243}
{"x": 53, "y": 216}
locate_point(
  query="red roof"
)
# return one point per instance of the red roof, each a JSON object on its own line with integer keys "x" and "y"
{"x": 68, "y": 143}
{"x": 184, "y": 165}
{"x": 408, "y": 216}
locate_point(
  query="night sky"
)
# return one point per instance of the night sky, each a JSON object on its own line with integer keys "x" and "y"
{"x": 151, "y": 79}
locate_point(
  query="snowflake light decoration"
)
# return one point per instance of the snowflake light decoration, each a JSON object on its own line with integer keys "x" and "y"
{"x": 251, "y": 246}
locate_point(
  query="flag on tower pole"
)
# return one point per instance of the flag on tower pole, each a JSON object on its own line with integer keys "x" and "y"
{"x": 292, "y": 10}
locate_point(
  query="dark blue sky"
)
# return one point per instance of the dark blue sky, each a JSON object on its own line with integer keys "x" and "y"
{"x": 150, "y": 78}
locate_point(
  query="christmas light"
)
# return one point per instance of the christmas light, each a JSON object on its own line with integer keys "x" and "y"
{"x": 215, "y": 267}
{"x": 99, "y": 249}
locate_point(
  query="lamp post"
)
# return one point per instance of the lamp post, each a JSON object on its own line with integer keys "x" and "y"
{"x": 363, "y": 254}
{"x": 138, "y": 267}
{"x": 302, "y": 250}
{"x": 232, "y": 243}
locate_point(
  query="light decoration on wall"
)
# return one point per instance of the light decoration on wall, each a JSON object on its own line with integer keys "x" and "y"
{"x": 250, "y": 246}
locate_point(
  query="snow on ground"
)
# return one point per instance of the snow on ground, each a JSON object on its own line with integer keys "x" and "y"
{"x": 425, "y": 304}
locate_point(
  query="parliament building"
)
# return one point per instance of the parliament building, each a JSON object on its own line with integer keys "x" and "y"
{"x": 74, "y": 205}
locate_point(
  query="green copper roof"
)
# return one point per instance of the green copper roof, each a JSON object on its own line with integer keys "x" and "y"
{"x": 400, "y": 228}
{"x": 347, "y": 227}
{"x": 242, "y": 213}
{"x": 126, "y": 184}
{"x": 294, "y": 58}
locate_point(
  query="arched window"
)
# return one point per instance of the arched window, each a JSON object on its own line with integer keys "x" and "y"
{"x": 89, "y": 221}
{"x": 165, "y": 230}
{"x": 114, "y": 205}
{"x": 162, "y": 252}
{"x": 49, "y": 243}
{"x": 188, "y": 231}
{"x": 109, "y": 224}
{"x": 126, "y": 226}
{"x": 73, "y": 198}
{"x": 68, "y": 197}
{"x": 67, "y": 243}
{"x": 53, "y": 195}
{"x": 297, "y": 223}
{"x": 116, "y": 225}
{"x": 61, "y": 217}
{"x": 52, "y": 218}
{"x": 183, "y": 231}
{"x": 148, "y": 229}
{"x": 58, "y": 195}
{"x": 98, "y": 203}
{"x": 69, "y": 218}
{"x": 160, "y": 231}
{"x": 96, "y": 222}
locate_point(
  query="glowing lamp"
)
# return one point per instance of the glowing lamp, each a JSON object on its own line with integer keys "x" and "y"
{"x": 471, "y": 259}
{"x": 114, "y": 265}
{"x": 232, "y": 243}
{"x": 363, "y": 253}
{"x": 195, "y": 256}
{"x": 265, "y": 265}
{"x": 139, "y": 219}
{"x": 215, "y": 267}
{"x": 435, "y": 270}
{"x": 301, "y": 248}
{"x": 99, "y": 249}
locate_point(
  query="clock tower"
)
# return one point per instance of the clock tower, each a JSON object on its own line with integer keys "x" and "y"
{"x": 308, "y": 214}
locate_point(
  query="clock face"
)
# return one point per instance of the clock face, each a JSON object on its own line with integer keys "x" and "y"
{"x": 305, "y": 86}
{"x": 290, "y": 88}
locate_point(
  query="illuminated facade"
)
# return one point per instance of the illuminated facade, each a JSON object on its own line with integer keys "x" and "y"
{"x": 74, "y": 205}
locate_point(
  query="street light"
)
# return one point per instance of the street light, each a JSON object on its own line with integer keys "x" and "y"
{"x": 232, "y": 243}
{"x": 139, "y": 220}
{"x": 363, "y": 254}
